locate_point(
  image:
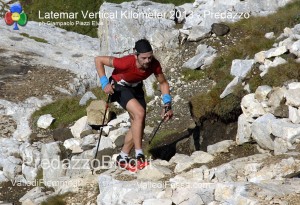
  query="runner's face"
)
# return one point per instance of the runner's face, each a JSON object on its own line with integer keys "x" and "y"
{"x": 144, "y": 59}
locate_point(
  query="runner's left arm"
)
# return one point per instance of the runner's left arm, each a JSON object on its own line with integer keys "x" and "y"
{"x": 167, "y": 99}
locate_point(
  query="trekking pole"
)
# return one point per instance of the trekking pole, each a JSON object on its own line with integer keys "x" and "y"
{"x": 167, "y": 108}
{"x": 101, "y": 129}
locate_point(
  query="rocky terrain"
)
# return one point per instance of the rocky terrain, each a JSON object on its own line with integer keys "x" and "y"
{"x": 259, "y": 166}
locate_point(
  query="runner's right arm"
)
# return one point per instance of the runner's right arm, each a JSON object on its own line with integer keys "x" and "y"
{"x": 100, "y": 62}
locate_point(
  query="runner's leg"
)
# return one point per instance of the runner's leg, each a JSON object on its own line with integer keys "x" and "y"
{"x": 138, "y": 114}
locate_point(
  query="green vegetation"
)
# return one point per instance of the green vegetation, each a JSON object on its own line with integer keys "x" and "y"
{"x": 158, "y": 139}
{"x": 41, "y": 40}
{"x": 66, "y": 110}
{"x": 190, "y": 75}
{"x": 39, "y": 177}
{"x": 36, "y": 10}
{"x": 56, "y": 200}
{"x": 277, "y": 76}
{"x": 250, "y": 33}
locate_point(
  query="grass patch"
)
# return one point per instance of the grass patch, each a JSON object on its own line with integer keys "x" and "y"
{"x": 277, "y": 76}
{"x": 158, "y": 139}
{"x": 250, "y": 34}
{"x": 39, "y": 177}
{"x": 56, "y": 200}
{"x": 66, "y": 110}
{"x": 191, "y": 75}
{"x": 41, "y": 40}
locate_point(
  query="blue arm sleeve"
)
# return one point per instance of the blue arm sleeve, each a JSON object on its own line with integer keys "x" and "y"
{"x": 166, "y": 98}
{"x": 104, "y": 81}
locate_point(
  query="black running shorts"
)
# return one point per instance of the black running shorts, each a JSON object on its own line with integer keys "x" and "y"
{"x": 122, "y": 94}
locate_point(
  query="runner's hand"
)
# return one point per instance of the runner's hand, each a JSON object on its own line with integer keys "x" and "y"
{"x": 109, "y": 89}
{"x": 167, "y": 112}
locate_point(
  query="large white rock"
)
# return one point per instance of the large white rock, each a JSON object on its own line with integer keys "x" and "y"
{"x": 30, "y": 155}
{"x": 88, "y": 142}
{"x": 9, "y": 147}
{"x": 220, "y": 147}
{"x": 293, "y": 85}
{"x": 293, "y": 97}
{"x": 243, "y": 134}
{"x": 196, "y": 174}
{"x": 275, "y": 51}
{"x": 3, "y": 178}
{"x": 197, "y": 33}
{"x": 132, "y": 192}
{"x": 262, "y": 92}
{"x": 157, "y": 202}
{"x": 35, "y": 196}
{"x": 276, "y": 170}
{"x": 80, "y": 126}
{"x": 294, "y": 115}
{"x": 270, "y": 35}
{"x": 120, "y": 118}
{"x": 182, "y": 161}
{"x": 127, "y": 19}
{"x": 276, "y": 97}
{"x": 240, "y": 68}
{"x": 285, "y": 129}
{"x": 251, "y": 107}
{"x": 95, "y": 112}
{"x": 261, "y": 131}
{"x": 29, "y": 173}
{"x": 21, "y": 113}
{"x": 154, "y": 173}
{"x": 281, "y": 146}
{"x": 226, "y": 192}
{"x": 201, "y": 157}
{"x": 192, "y": 192}
{"x": 53, "y": 167}
{"x": 230, "y": 87}
{"x": 118, "y": 135}
{"x": 10, "y": 169}
{"x": 203, "y": 52}
{"x": 45, "y": 121}
{"x": 73, "y": 144}
{"x": 260, "y": 57}
{"x": 86, "y": 97}
{"x": 295, "y": 48}
{"x": 106, "y": 143}
{"x": 80, "y": 166}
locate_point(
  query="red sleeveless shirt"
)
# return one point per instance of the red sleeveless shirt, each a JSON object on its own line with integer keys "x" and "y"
{"x": 126, "y": 69}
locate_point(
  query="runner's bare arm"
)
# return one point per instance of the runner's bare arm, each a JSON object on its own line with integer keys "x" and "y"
{"x": 100, "y": 61}
{"x": 163, "y": 83}
{"x": 165, "y": 89}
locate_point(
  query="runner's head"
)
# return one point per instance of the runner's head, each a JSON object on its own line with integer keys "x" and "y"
{"x": 142, "y": 46}
{"x": 144, "y": 53}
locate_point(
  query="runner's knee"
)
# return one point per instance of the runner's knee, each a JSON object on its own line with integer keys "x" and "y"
{"x": 139, "y": 114}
